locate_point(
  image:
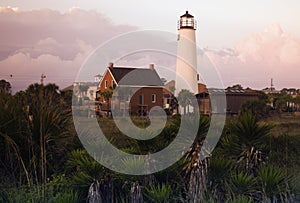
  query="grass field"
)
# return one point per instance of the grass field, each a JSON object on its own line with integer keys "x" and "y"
{"x": 285, "y": 124}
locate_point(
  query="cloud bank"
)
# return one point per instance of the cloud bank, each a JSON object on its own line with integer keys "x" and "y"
{"x": 271, "y": 53}
{"x": 49, "y": 42}
{"x": 56, "y": 44}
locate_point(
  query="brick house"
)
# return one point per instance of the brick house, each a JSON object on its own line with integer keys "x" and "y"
{"x": 144, "y": 88}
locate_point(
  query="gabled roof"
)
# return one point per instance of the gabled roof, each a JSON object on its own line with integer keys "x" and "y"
{"x": 119, "y": 72}
{"x": 170, "y": 84}
{"x": 135, "y": 76}
{"x": 202, "y": 88}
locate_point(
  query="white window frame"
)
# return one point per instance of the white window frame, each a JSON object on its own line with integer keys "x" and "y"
{"x": 153, "y": 98}
{"x": 105, "y": 84}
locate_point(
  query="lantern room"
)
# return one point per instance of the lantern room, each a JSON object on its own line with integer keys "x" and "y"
{"x": 187, "y": 21}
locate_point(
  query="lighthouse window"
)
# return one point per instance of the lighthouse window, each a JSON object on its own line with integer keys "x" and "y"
{"x": 187, "y": 22}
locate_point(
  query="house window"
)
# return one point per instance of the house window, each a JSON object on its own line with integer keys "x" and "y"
{"x": 141, "y": 98}
{"x": 153, "y": 98}
{"x": 105, "y": 84}
{"x": 112, "y": 84}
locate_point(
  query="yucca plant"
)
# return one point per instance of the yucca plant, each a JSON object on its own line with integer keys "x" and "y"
{"x": 229, "y": 144}
{"x": 20, "y": 195}
{"x": 68, "y": 196}
{"x": 274, "y": 183}
{"x": 136, "y": 194}
{"x": 250, "y": 136}
{"x": 160, "y": 193}
{"x": 240, "y": 199}
{"x": 89, "y": 176}
{"x": 133, "y": 164}
{"x": 195, "y": 165}
{"x": 218, "y": 177}
{"x": 243, "y": 184}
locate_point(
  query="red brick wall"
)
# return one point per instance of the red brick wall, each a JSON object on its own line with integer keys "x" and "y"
{"x": 147, "y": 93}
{"x": 107, "y": 77}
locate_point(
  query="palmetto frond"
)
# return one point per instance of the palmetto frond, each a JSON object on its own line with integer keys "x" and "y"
{"x": 158, "y": 193}
{"x": 250, "y": 135}
{"x": 273, "y": 181}
{"x": 249, "y": 132}
{"x": 243, "y": 184}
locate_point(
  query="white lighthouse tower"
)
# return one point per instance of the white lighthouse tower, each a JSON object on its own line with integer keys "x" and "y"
{"x": 186, "y": 66}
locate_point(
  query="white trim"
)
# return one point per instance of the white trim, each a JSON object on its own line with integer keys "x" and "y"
{"x": 107, "y": 70}
{"x": 105, "y": 84}
{"x": 112, "y": 76}
{"x": 153, "y": 100}
{"x": 102, "y": 78}
{"x": 140, "y": 86}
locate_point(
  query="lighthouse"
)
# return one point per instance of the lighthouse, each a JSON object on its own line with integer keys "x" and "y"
{"x": 186, "y": 65}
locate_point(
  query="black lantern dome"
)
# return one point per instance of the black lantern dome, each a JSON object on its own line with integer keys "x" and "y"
{"x": 187, "y": 21}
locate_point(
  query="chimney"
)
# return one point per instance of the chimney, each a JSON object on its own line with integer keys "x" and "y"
{"x": 110, "y": 65}
{"x": 151, "y": 66}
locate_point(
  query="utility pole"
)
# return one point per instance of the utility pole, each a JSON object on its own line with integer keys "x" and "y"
{"x": 272, "y": 85}
{"x": 42, "y": 78}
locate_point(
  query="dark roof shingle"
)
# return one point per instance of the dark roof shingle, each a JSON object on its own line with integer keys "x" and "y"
{"x": 136, "y": 76}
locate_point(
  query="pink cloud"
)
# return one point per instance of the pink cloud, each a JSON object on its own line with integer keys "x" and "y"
{"x": 56, "y": 44}
{"x": 26, "y": 69}
{"x": 272, "y": 53}
{"x": 50, "y": 42}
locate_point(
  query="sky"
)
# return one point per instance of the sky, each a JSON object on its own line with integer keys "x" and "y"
{"x": 250, "y": 42}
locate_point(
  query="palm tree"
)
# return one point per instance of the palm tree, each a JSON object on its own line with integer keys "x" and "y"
{"x": 185, "y": 99}
{"x": 5, "y": 87}
{"x": 107, "y": 95}
{"x": 282, "y": 101}
{"x": 297, "y": 102}
{"x": 258, "y": 108}
{"x": 122, "y": 95}
{"x": 13, "y": 139}
{"x": 83, "y": 90}
{"x": 48, "y": 124}
{"x": 37, "y": 129}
